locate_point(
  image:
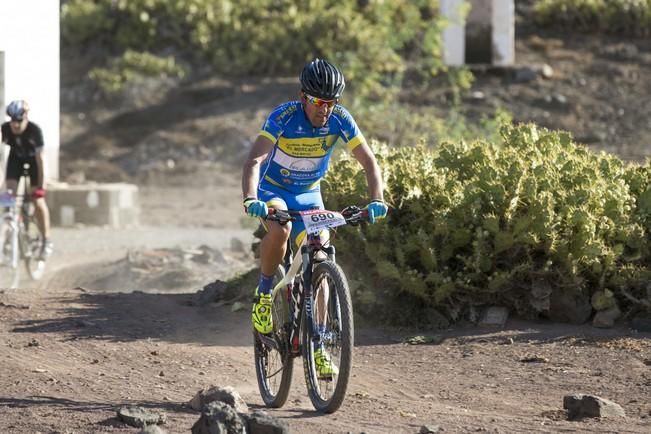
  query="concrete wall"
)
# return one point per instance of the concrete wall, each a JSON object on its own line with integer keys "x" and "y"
{"x": 29, "y": 42}
{"x": 479, "y": 32}
{"x": 485, "y": 35}
{"x": 115, "y": 205}
{"x": 453, "y": 37}
{"x": 503, "y": 17}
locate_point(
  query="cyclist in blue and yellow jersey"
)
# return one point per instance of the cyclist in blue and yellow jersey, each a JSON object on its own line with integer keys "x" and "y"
{"x": 284, "y": 168}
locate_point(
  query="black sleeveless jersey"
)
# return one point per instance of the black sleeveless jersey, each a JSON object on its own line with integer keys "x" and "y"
{"x": 25, "y": 145}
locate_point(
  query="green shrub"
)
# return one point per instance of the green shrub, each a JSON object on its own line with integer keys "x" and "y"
{"x": 132, "y": 66}
{"x": 83, "y": 22}
{"x": 485, "y": 222}
{"x": 404, "y": 124}
{"x": 374, "y": 41}
{"x": 628, "y": 17}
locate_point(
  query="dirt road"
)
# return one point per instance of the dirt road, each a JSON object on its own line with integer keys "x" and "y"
{"x": 86, "y": 342}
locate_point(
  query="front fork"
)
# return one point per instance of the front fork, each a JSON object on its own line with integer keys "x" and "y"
{"x": 308, "y": 253}
{"x": 10, "y": 229}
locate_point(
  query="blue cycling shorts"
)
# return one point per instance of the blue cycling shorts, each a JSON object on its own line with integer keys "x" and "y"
{"x": 276, "y": 197}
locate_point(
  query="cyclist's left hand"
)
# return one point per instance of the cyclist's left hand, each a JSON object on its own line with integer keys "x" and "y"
{"x": 38, "y": 193}
{"x": 377, "y": 209}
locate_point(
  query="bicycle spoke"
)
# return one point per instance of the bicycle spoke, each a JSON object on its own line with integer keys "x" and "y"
{"x": 327, "y": 377}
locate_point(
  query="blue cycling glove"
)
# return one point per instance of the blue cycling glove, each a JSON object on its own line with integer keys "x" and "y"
{"x": 255, "y": 207}
{"x": 376, "y": 210}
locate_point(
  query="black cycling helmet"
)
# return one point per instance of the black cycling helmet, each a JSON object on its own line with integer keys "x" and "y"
{"x": 322, "y": 80}
{"x": 17, "y": 110}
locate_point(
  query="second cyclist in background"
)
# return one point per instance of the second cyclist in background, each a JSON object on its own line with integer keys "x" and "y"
{"x": 25, "y": 140}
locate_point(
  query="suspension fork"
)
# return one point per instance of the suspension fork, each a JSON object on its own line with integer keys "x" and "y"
{"x": 308, "y": 253}
{"x": 301, "y": 295}
{"x": 301, "y": 299}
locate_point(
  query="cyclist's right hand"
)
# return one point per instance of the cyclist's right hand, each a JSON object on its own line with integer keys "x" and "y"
{"x": 255, "y": 208}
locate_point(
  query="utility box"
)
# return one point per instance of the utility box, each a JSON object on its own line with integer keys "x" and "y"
{"x": 114, "y": 204}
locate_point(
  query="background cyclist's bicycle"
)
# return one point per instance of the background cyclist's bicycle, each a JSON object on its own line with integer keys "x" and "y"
{"x": 20, "y": 239}
{"x": 312, "y": 316}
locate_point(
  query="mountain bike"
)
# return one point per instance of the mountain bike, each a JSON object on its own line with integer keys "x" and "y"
{"x": 311, "y": 307}
{"x": 19, "y": 236}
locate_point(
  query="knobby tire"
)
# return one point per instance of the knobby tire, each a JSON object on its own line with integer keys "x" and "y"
{"x": 339, "y": 304}
{"x": 10, "y": 268}
{"x": 275, "y": 394}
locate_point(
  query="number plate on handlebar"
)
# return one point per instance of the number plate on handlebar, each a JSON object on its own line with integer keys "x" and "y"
{"x": 7, "y": 200}
{"x": 317, "y": 220}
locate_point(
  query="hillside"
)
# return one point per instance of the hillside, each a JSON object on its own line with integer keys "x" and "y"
{"x": 598, "y": 91}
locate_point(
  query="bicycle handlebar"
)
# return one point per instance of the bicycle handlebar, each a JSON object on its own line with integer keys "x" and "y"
{"x": 353, "y": 215}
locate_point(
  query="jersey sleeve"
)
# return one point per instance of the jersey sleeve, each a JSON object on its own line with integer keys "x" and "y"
{"x": 38, "y": 139}
{"x": 350, "y": 132}
{"x": 274, "y": 125}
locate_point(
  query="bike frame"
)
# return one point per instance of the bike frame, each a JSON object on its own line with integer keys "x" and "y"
{"x": 299, "y": 291}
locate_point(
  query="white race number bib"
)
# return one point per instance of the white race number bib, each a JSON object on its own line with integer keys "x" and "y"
{"x": 318, "y": 219}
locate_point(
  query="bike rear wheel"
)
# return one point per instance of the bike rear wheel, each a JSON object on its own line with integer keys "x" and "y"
{"x": 9, "y": 257}
{"x": 327, "y": 394}
{"x": 273, "y": 363}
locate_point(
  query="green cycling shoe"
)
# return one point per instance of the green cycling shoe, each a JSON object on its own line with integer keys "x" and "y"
{"x": 325, "y": 369}
{"x": 261, "y": 314}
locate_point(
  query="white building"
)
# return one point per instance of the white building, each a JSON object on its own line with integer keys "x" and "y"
{"x": 29, "y": 68}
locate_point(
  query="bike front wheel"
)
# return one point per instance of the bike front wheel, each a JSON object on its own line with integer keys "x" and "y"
{"x": 9, "y": 257}
{"x": 273, "y": 362}
{"x": 333, "y": 319}
{"x": 34, "y": 263}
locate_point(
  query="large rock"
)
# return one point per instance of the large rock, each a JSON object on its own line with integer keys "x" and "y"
{"x": 580, "y": 406}
{"x": 211, "y": 293}
{"x": 226, "y": 394}
{"x": 140, "y": 417}
{"x": 219, "y": 418}
{"x": 606, "y": 318}
{"x": 569, "y": 305}
{"x": 494, "y": 316}
{"x": 259, "y": 422}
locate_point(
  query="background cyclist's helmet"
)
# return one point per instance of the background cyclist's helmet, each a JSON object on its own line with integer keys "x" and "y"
{"x": 17, "y": 110}
{"x": 322, "y": 80}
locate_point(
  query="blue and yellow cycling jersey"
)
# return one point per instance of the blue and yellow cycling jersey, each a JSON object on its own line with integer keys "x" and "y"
{"x": 302, "y": 152}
